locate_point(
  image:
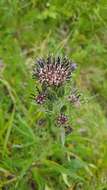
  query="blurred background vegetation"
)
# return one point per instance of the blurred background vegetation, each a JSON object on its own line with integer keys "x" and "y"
{"x": 33, "y": 28}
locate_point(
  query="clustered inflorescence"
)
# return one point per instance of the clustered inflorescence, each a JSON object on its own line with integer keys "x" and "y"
{"x": 52, "y": 74}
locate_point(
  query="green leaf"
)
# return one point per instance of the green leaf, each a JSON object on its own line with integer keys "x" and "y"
{"x": 63, "y": 108}
{"x": 38, "y": 179}
{"x": 60, "y": 91}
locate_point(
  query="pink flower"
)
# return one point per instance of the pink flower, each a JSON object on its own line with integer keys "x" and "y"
{"x": 54, "y": 72}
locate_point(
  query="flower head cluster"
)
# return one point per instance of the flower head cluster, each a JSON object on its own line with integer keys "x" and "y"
{"x": 54, "y": 71}
{"x": 62, "y": 119}
{"x": 74, "y": 97}
{"x": 68, "y": 129}
{"x": 52, "y": 74}
{"x": 41, "y": 98}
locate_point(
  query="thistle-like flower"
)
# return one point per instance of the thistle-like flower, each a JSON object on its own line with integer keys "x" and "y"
{"x": 74, "y": 97}
{"x": 62, "y": 119}
{"x": 40, "y": 99}
{"x": 68, "y": 129}
{"x": 54, "y": 72}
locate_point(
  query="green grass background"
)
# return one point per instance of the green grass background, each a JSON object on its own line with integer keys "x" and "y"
{"x": 33, "y": 28}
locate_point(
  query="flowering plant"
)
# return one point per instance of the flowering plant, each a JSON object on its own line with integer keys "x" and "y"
{"x": 55, "y": 89}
